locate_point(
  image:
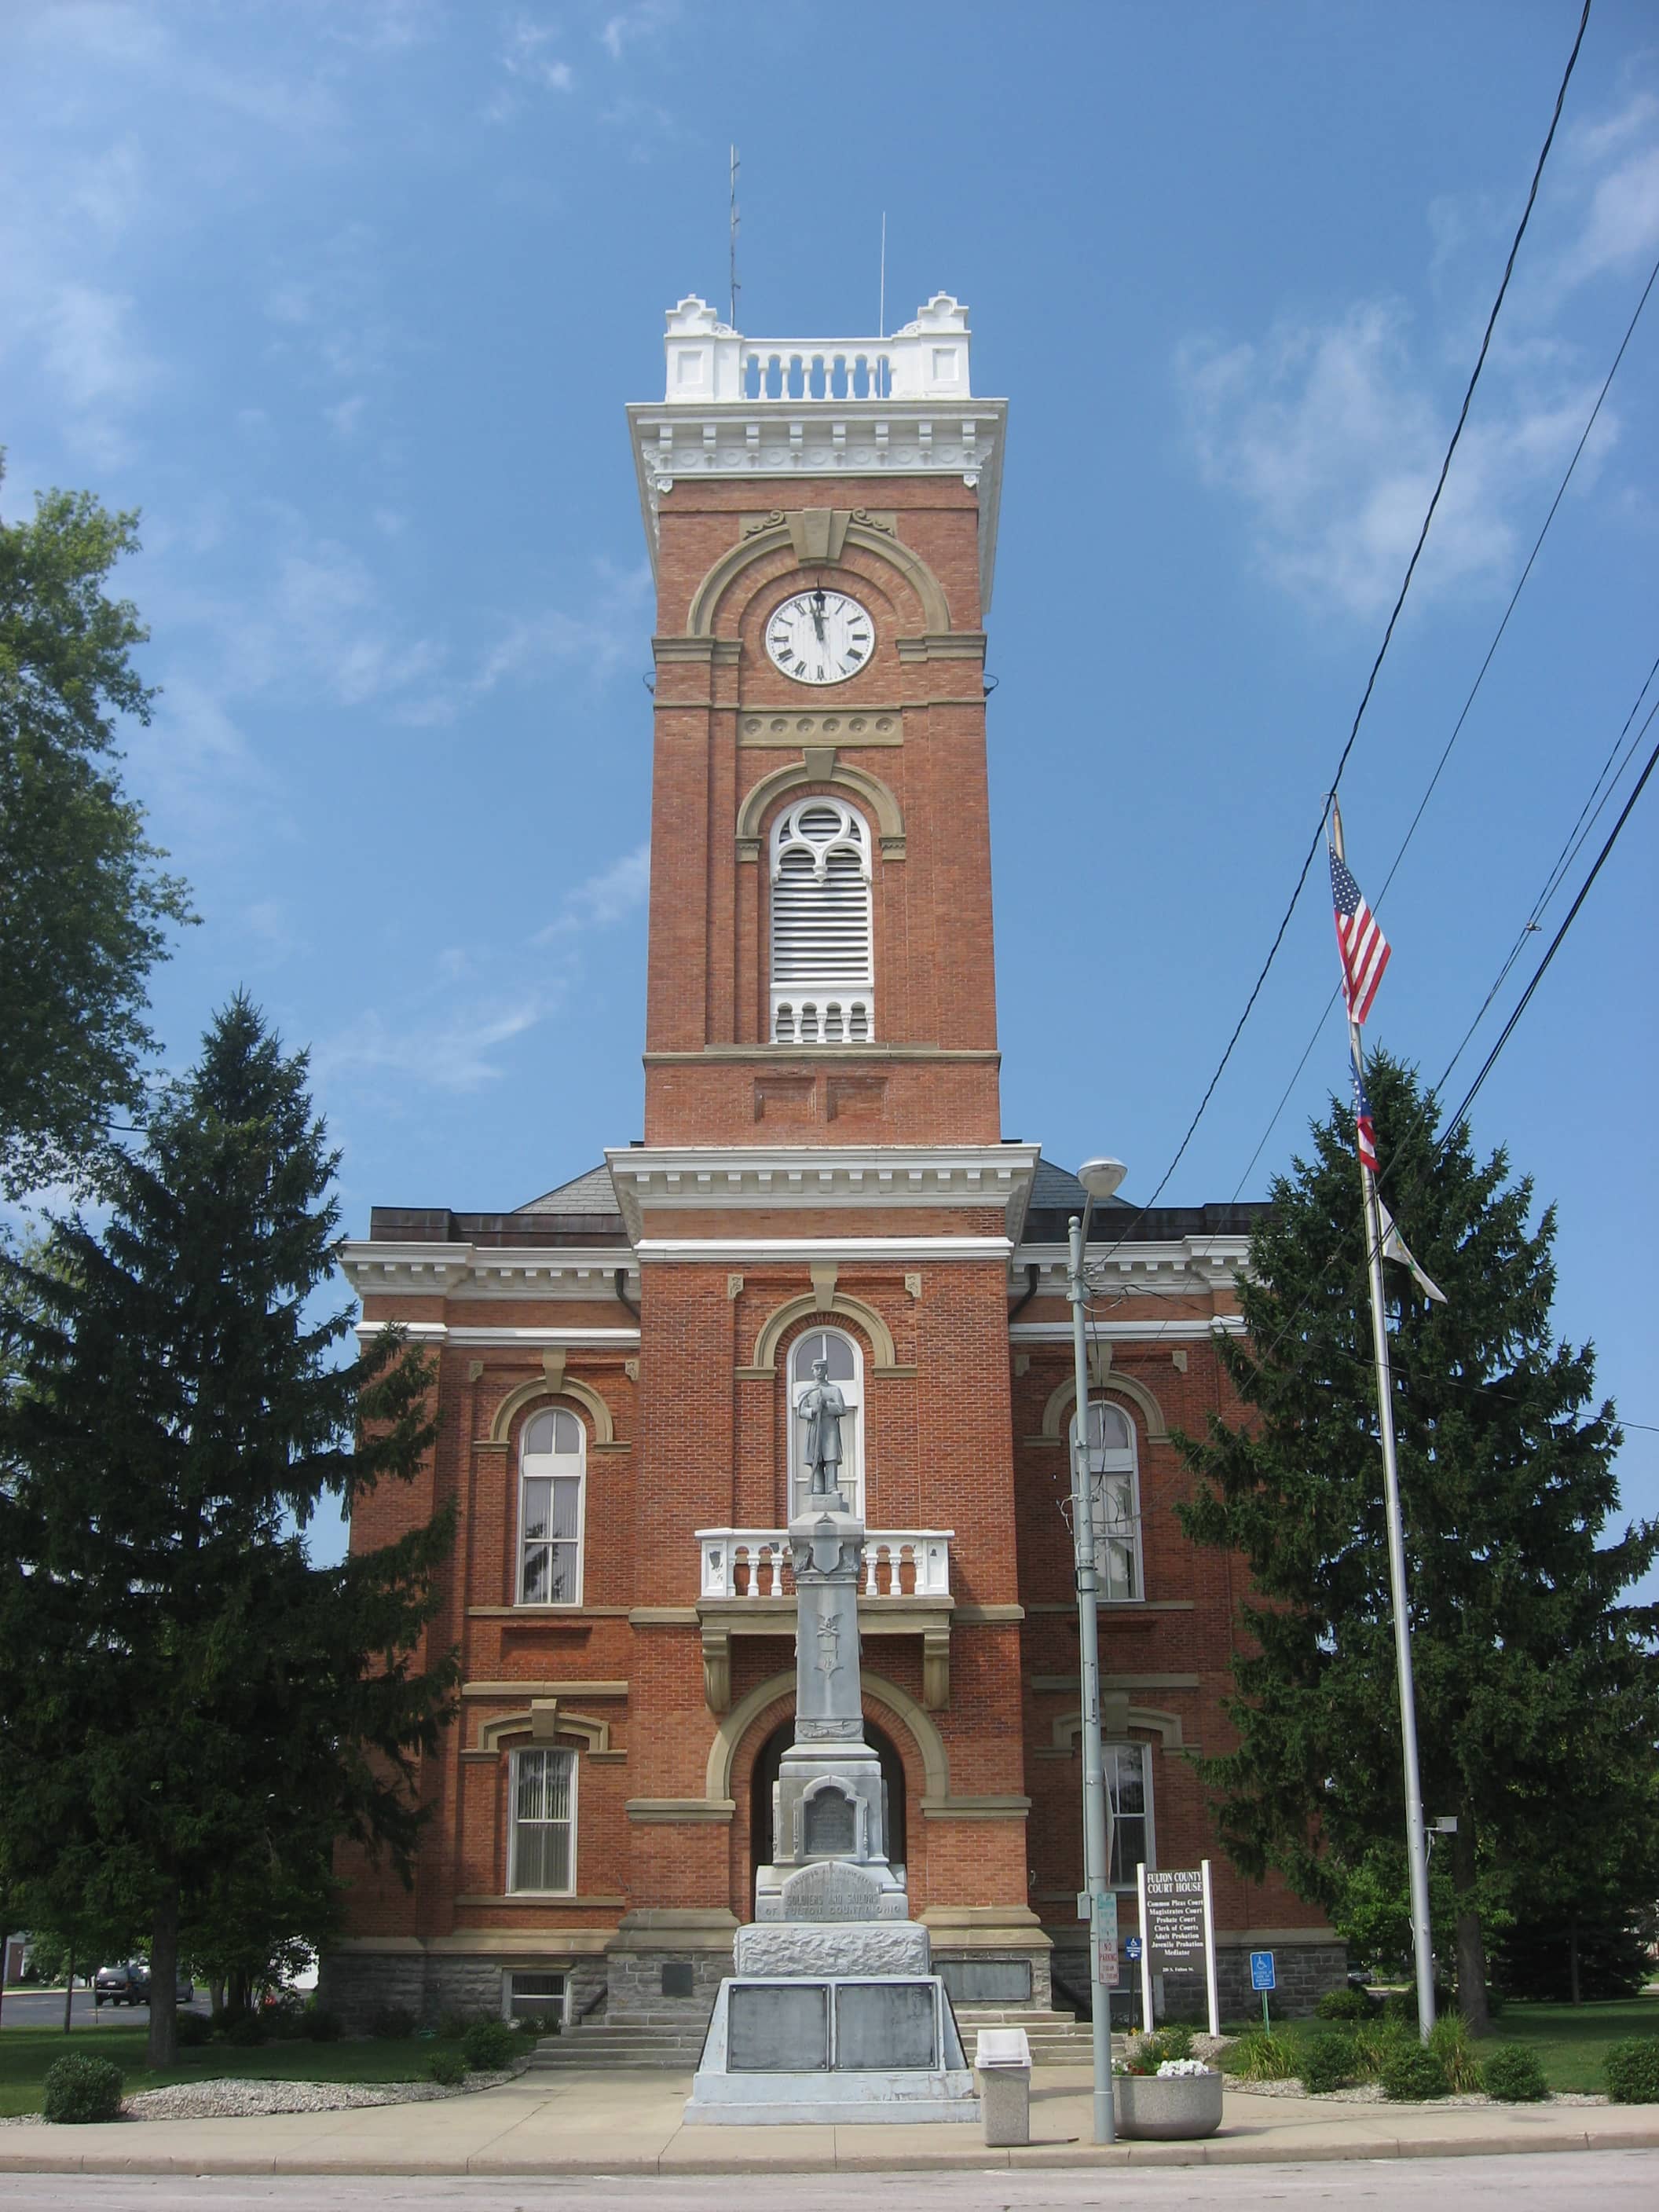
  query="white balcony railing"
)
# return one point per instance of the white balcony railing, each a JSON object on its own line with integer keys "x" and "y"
{"x": 927, "y": 358}
{"x": 754, "y": 1563}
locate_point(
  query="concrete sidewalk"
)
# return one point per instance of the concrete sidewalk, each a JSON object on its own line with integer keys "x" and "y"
{"x": 602, "y": 2123}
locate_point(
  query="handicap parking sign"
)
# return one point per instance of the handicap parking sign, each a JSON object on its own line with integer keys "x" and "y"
{"x": 1262, "y": 1970}
{"x": 1131, "y": 1948}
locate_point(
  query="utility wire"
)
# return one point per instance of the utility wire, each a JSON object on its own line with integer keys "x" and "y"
{"x": 1457, "y": 726}
{"x": 1388, "y": 634}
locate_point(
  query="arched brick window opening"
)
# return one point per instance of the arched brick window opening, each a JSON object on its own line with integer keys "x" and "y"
{"x": 823, "y": 977}
{"x": 552, "y": 1470}
{"x": 842, "y": 1356}
{"x": 767, "y": 1761}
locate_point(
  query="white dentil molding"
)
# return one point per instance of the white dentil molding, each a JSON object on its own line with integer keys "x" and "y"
{"x": 471, "y": 1271}
{"x": 783, "y": 1178}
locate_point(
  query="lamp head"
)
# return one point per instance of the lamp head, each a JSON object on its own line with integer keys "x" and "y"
{"x": 1100, "y": 1178}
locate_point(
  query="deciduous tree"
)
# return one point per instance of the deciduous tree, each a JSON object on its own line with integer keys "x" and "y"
{"x": 84, "y": 911}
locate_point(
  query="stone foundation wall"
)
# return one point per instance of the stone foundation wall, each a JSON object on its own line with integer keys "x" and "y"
{"x": 1304, "y": 1972}
{"x": 636, "y": 1992}
{"x": 357, "y": 1983}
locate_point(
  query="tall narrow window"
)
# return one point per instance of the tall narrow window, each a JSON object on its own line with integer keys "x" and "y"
{"x": 1114, "y": 1483}
{"x": 550, "y": 1500}
{"x": 845, "y": 1369}
{"x": 1129, "y": 1787}
{"x": 541, "y": 1844}
{"x": 823, "y": 970}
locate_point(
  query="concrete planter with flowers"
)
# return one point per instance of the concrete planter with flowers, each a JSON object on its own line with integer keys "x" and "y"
{"x": 1178, "y": 2103}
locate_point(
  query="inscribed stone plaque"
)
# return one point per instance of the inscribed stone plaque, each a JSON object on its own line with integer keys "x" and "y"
{"x": 827, "y": 1822}
{"x": 778, "y": 2031}
{"x": 1175, "y": 1922}
{"x": 833, "y": 1890}
{"x": 988, "y": 1981}
{"x": 884, "y": 2027}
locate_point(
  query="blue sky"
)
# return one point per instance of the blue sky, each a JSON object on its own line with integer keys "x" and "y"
{"x": 348, "y": 296}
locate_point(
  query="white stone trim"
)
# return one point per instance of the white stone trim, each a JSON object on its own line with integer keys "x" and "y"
{"x": 1203, "y": 1263}
{"x": 1188, "y": 1329}
{"x": 440, "y": 1332}
{"x": 779, "y": 1178}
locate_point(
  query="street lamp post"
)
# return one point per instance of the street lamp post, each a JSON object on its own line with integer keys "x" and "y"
{"x": 1099, "y": 1178}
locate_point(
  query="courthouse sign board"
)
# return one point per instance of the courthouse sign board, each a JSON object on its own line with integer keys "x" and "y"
{"x": 1177, "y": 1928}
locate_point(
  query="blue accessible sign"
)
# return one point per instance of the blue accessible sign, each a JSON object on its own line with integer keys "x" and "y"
{"x": 1262, "y": 1970}
{"x": 1132, "y": 1946}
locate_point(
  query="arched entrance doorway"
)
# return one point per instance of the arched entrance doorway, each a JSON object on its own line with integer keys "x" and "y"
{"x": 767, "y": 1762}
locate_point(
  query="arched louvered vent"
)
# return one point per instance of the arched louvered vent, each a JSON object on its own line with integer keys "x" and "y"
{"x": 822, "y": 970}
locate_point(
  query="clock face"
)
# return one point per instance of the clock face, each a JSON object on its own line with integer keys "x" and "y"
{"x": 820, "y": 637}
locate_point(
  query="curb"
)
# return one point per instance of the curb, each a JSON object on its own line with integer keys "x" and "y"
{"x": 1035, "y": 2157}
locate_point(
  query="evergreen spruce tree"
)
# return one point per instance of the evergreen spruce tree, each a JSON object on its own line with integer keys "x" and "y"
{"x": 183, "y": 1695}
{"x": 1529, "y": 1663}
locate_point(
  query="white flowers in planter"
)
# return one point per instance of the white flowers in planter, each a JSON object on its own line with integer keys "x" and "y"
{"x": 1183, "y": 2069}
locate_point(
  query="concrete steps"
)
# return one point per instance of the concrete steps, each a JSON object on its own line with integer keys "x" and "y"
{"x": 1057, "y": 2039}
{"x": 619, "y": 2046}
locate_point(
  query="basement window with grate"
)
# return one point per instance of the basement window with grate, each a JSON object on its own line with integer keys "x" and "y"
{"x": 822, "y": 961}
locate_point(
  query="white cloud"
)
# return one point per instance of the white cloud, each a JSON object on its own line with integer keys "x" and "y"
{"x": 608, "y": 897}
{"x": 451, "y": 1051}
{"x": 197, "y": 774}
{"x": 630, "y": 25}
{"x": 343, "y": 417}
{"x": 526, "y": 55}
{"x": 1331, "y": 432}
{"x": 527, "y": 647}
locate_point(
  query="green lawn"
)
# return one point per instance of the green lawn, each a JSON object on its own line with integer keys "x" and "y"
{"x": 1571, "y": 2042}
{"x": 26, "y": 2053}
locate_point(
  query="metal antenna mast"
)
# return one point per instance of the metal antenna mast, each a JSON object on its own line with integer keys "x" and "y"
{"x": 736, "y": 286}
{"x": 881, "y": 312}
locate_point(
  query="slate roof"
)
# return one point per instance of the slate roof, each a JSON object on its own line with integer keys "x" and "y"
{"x": 593, "y": 1193}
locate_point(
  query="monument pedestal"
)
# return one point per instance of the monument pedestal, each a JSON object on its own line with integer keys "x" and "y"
{"x": 834, "y": 2013}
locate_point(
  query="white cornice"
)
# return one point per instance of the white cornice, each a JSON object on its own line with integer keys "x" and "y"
{"x": 471, "y": 1271}
{"x": 766, "y": 440}
{"x": 437, "y": 1332}
{"x": 1196, "y": 1264}
{"x": 779, "y": 1179}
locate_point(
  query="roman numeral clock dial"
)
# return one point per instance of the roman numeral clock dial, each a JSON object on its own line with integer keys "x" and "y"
{"x": 820, "y": 637}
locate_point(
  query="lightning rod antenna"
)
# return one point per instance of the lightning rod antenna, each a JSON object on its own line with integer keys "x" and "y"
{"x": 881, "y": 312}
{"x": 736, "y": 286}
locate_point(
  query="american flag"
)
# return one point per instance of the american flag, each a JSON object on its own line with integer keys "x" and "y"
{"x": 1364, "y": 1130}
{"x": 1363, "y": 948}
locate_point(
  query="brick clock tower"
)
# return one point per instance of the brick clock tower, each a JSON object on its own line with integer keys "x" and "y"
{"x": 823, "y": 1175}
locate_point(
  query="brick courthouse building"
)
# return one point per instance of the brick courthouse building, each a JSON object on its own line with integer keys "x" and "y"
{"x": 823, "y": 1173}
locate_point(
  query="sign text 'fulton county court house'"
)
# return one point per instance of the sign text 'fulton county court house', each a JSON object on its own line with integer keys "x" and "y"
{"x": 825, "y": 1193}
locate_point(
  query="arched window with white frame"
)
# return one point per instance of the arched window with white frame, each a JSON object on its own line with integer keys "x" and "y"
{"x": 1115, "y": 1487}
{"x": 552, "y": 1501}
{"x": 845, "y": 1364}
{"x": 823, "y": 978}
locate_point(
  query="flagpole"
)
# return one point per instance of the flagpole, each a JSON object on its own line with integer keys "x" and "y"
{"x": 1417, "y": 1854}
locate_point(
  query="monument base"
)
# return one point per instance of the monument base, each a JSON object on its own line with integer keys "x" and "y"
{"x": 849, "y": 2049}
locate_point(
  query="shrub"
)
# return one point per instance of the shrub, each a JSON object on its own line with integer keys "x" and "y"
{"x": 285, "y": 2021}
{"x": 489, "y": 2045}
{"x": 1259, "y": 2056}
{"x": 246, "y": 2032}
{"x": 320, "y": 2025}
{"x": 1632, "y": 2071}
{"x": 194, "y": 2030}
{"x": 448, "y": 2067}
{"x": 395, "y": 2022}
{"x": 1328, "y": 2061}
{"x": 77, "y": 2089}
{"x": 1413, "y": 2075}
{"x": 1448, "y": 2040}
{"x": 1375, "y": 2042}
{"x": 453, "y": 2024}
{"x": 1174, "y": 2041}
{"x": 1401, "y": 2004}
{"x": 1513, "y": 2076}
{"x": 1344, "y": 2004}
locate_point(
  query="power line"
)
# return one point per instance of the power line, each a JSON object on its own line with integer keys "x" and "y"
{"x": 1388, "y": 634}
{"x": 1457, "y": 726}
{"x": 1508, "y": 1030}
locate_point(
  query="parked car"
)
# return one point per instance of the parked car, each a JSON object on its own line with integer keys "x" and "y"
{"x": 129, "y": 1984}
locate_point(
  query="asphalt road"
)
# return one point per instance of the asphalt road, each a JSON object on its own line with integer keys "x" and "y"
{"x": 44, "y": 2008}
{"x": 1611, "y": 2180}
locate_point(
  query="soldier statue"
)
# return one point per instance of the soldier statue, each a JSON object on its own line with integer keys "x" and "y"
{"x": 820, "y": 1407}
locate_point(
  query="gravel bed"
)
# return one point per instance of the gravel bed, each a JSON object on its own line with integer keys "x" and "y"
{"x": 1369, "y": 2093}
{"x": 254, "y": 2100}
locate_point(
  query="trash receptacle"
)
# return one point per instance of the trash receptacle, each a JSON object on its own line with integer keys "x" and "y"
{"x": 1002, "y": 2067}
